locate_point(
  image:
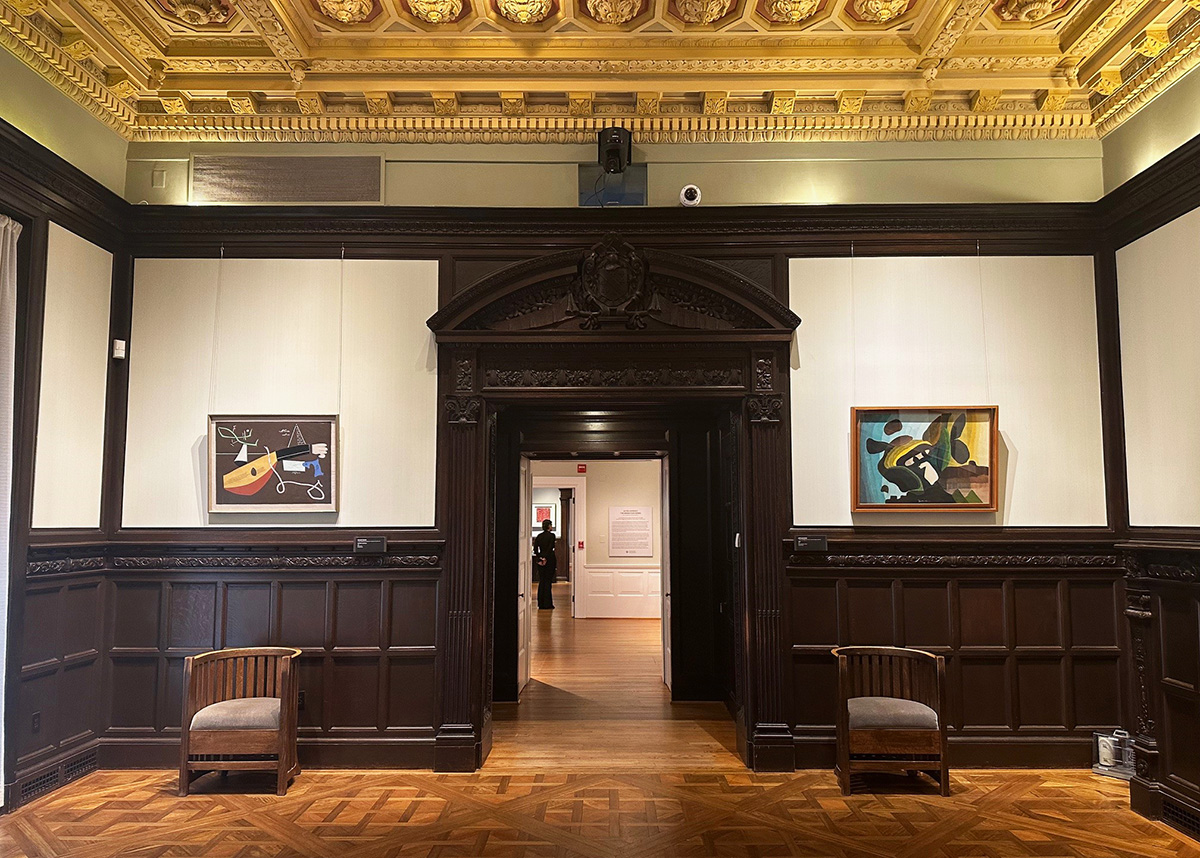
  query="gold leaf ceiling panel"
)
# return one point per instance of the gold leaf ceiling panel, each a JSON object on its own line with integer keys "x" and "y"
{"x": 559, "y": 70}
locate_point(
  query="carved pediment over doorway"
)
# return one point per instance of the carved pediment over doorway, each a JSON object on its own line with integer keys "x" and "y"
{"x": 614, "y": 286}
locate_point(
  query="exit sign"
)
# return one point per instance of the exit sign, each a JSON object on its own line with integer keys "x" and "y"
{"x": 582, "y": 469}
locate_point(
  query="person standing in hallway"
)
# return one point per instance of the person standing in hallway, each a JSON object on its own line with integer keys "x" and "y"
{"x": 546, "y": 564}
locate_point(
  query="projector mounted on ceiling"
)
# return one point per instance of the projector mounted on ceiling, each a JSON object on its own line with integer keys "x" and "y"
{"x": 615, "y": 149}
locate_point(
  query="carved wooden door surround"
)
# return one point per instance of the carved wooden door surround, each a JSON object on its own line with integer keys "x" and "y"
{"x": 622, "y": 325}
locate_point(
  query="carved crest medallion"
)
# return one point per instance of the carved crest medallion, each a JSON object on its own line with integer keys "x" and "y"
{"x": 613, "y": 285}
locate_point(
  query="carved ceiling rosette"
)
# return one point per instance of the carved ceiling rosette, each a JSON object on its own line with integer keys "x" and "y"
{"x": 525, "y": 11}
{"x": 702, "y": 11}
{"x": 436, "y": 11}
{"x": 1028, "y": 11}
{"x": 198, "y": 13}
{"x": 879, "y": 11}
{"x": 790, "y": 11}
{"x": 614, "y": 11}
{"x": 347, "y": 11}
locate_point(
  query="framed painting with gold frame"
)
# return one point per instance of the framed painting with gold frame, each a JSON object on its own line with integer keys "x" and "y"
{"x": 924, "y": 459}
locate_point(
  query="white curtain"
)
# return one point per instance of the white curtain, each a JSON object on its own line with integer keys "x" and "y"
{"x": 10, "y": 231}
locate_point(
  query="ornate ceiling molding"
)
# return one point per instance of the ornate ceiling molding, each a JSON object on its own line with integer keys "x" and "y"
{"x": 46, "y": 58}
{"x": 965, "y": 125}
{"x": 1135, "y": 93}
{"x": 347, "y": 11}
{"x": 543, "y": 70}
{"x": 268, "y": 24}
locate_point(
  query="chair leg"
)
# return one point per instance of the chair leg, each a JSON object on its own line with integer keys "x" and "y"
{"x": 843, "y": 776}
{"x": 185, "y": 780}
{"x": 281, "y": 776}
{"x": 944, "y": 780}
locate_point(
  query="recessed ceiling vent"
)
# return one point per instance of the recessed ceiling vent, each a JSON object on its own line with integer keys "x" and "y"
{"x": 286, "y": 179}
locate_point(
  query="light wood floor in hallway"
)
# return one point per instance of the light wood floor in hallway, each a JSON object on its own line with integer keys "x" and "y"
{"x": 595, "y": 763}
{"x": 597, "y": 700}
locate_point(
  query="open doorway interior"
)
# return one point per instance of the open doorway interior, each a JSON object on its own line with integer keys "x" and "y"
{"x": 595, "y": 671}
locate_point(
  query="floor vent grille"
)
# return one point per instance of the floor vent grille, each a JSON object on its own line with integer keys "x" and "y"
{"x": 82, "y": 765}
{"x": 1181, "y": 817}
{"x": 40, "y": 785}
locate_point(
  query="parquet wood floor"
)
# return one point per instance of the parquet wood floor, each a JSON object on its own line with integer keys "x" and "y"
{"x": 590, "y": 814}
{"x": 596, "y": 700}
{"x": 689, "y": 797}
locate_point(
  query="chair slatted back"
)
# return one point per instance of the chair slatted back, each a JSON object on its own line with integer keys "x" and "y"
{"x": 909, "y": 674}
{"x": 232, "y": 674}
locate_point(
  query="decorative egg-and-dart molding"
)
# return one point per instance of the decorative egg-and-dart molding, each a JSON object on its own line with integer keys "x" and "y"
{"x": 525, "y": 11}
{"x": 346, "y": 11}
{"x": 198, "y": 13}
{"x": 791, "y": 11}
{"x": 702, "y": 11}
{"x": 1029, "y": 11}
{"x": 436, "y": 11}
{"x": 613, "y": 11}
{"x": 879, "y": 11}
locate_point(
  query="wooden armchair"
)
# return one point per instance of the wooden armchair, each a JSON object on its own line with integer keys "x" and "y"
{"x": 890, "y": 715}
{"x": 239, "y": 713}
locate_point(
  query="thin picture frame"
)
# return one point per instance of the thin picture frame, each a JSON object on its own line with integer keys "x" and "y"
{"x": 324, "y": 478}
{"x": 989, "y": 413}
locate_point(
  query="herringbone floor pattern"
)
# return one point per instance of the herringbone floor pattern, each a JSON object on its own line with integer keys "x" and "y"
{"x": 354, "y": 814}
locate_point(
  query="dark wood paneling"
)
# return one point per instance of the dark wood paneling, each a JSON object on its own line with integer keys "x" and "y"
{"x": 1003, "y": 621}
{"x": 1163, "y": 602}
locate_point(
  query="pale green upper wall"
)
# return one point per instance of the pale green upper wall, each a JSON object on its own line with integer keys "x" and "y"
{"x": 58, "y": 123}
{"x": 489, "y": 174}
{"x": 1155, "y": 131}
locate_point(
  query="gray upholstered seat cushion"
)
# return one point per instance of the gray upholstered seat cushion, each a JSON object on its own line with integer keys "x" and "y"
{"x": 890, "y": 713}
{"x": 248, "y": 713}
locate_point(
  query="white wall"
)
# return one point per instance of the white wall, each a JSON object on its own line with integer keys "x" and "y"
{"x": 69, "y": 461}
{"x": 1019, "y": 333}
{"x": 280, "y": 350}
{"x": 1160, "y": 365}
{"x": 613, "y": 586}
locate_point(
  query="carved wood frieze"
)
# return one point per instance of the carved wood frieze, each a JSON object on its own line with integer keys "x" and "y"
{"x": 73, "y": 565}
{"x": 953, "y": 561}
{"x": 278, "y": 561}
{"x": 63, "y": 566}
{"x": 1181, "y": 571}
{"x": 671, "y": 375}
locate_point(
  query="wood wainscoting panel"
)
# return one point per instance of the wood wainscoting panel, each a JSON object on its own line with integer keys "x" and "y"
{"x": 59, "y": 682}
{"x": 1034, "y": 663}
{"x": 106, "y": 635}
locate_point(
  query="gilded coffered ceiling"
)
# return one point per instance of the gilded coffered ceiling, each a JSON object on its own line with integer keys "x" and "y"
{"x": 558, "y": 70}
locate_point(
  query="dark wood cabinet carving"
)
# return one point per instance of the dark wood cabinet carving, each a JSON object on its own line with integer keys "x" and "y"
{"x": 1163, "y": 612}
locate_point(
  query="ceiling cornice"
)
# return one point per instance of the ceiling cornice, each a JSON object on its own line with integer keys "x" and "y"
{"x": 279, "y": 71}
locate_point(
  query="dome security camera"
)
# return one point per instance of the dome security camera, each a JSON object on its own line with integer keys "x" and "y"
{"x": 689, "y": 196}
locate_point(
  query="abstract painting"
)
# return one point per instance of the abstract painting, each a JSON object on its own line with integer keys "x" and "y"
{"x": 272, "y": 464}
{"x": 924, "y": 459}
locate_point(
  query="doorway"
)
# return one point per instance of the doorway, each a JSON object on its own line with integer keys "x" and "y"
{"x": 613, "y": 678}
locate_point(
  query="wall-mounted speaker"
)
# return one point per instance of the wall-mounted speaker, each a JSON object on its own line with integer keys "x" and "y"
{"x": 615, "y": 149}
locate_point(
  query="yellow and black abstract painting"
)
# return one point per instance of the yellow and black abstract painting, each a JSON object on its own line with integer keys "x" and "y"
{"x": 924, "y": 459}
